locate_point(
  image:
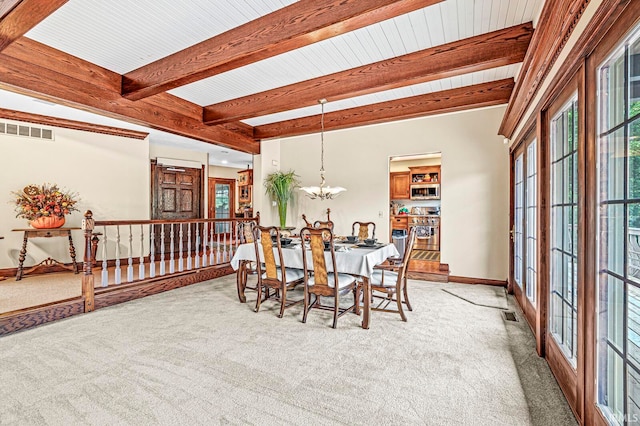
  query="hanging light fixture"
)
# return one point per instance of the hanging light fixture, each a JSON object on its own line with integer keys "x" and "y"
{"x": 322, "y": 192}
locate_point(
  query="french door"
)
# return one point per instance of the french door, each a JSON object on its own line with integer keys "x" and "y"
{"x": 222, "y": 202}
{"x": 524, "y": 233}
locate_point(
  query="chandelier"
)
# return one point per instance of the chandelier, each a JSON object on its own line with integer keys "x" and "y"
{"x": 322, "y": 192}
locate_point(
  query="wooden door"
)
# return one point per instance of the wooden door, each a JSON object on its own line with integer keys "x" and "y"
{"x": 222, "y": 202}
{"x": 176, "y": 194}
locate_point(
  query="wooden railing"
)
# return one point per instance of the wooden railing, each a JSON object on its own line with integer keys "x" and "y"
{"x": 136, "y": 251}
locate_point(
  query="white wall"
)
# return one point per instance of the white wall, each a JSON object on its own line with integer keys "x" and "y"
{"x": 475, "y": 176}
{"x": 110, "y": 174}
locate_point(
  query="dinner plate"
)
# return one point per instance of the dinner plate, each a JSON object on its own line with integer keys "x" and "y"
{"x": 376, "y": 245}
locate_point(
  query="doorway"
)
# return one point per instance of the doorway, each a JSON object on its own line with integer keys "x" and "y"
{"x": 222, "y": 202}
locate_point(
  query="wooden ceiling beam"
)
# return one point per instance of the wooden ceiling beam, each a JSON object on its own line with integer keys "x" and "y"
{"x": 302, "y": 23}
{"x": 497, "y": 48}
{"x": 463, "y": 98}
{"x": 18, "y": 17}
{"x": 32, "y": 68}
{"x": 46, "y": 120}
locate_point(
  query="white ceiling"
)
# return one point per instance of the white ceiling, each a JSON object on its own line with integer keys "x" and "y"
{"x": 122, "y": 35}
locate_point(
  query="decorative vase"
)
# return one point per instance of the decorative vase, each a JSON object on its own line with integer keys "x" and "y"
{"x": 47, "y": 222}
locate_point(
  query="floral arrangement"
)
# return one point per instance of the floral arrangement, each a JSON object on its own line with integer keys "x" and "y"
{"x": 46, "y": 200}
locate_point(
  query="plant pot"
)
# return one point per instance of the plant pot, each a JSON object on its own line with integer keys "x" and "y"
{"x": 47, "y": 222}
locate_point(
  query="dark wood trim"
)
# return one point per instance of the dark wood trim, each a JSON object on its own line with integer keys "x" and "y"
{"x": 544, "y": 225}
{"x": 556, "y": 23}
{"x": 46, "y": 120}
{"x": 608, "y": 12}
{"x": 460, "y": 99}
{"x": 291, "y": 27}
{"x": 485, "y": 51}
{"x": 10, "y": 322}
{"x": 18, "y": 17}
{"x": 564, "y": 374}
{"x": 112, "y": 296}
{"x": 33, "y": 69}
{"x": 482, "y": 281}
{"x": 211, "y": 189}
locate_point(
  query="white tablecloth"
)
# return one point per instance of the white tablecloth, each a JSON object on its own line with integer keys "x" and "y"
{"x": 357, "y": 261}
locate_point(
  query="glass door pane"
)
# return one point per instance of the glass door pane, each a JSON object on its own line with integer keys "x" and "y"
{"x": 223, "y": 206}
{"x": 618, "y": 236}
{"x": 564, "y": 230}
{"x": 518, "y": 198}
{"x": 531, "y": 219}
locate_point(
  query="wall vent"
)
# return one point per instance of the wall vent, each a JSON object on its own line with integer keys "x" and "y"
{"x": 25, "y": 131}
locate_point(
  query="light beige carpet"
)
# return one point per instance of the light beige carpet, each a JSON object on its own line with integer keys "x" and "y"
{"x": 196, "y": 355}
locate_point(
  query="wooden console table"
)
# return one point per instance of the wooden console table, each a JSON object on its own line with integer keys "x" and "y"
{"x": 45, "y": 233}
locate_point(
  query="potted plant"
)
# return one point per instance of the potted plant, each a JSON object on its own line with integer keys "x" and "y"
{"x": 44, "y": 206}
{"x": 280, "y": 186}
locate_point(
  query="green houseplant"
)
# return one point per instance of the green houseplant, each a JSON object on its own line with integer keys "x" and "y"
{"x": 279, "y": 186}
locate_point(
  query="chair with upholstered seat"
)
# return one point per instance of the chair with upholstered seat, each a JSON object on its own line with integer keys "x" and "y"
{"x": 273, "y": 274}
{"x": 324, "y": 283}
{"x": 389, "y": 282}
{"x": 363, "y": 230}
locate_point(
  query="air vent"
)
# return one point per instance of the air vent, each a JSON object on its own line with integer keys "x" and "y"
{"x": 25, "y": 131}
{"x": 509, "y": 316}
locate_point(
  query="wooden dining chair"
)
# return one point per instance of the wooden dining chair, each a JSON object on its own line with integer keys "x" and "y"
{"x": 323, "y": 283}
{"x": 320, "y": 223}
{"x": 363, "y": 230}
{"x": 272, "y": 274}
{"x": 389, "y": 282}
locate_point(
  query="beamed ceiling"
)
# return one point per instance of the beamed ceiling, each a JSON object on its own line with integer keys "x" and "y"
{"x": 232, "y": 72}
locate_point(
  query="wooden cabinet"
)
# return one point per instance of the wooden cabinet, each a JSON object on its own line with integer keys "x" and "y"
{"x": 425, "y": 174}
{"x": 399, "y": 185}
{"x": 245, "y": 188}
{"x": 245, "y": 177}
{"x": 400, "y": 222}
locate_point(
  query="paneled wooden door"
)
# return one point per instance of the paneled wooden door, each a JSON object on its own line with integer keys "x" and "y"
{"x": 176, "y": 194}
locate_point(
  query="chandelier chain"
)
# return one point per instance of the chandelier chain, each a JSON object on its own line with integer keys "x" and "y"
{"x": 322, "y": 138}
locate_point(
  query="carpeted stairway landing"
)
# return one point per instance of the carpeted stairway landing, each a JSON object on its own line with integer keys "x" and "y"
{"x": 196, "y": 355}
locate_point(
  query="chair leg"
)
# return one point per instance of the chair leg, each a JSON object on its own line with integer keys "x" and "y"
{"x": 307, "y": 298}
{"x": 283, "y": 301}
{"x": 406, "y": 296}
{"x": 336, "y": 308}
{"x": 399, "y": 302}
{"x": 357, "y": 291}
{"x": 259, "y": 298}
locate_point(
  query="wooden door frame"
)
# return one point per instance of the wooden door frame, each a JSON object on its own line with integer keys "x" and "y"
{"x": 232, "y": 198}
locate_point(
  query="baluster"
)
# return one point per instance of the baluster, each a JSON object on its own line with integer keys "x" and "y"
{"x": 130, "y": 257}
{"x": 118, "y": 268}
{"x": 188, "y": 246}
{"x": 218, "y": 251}
{"x": 180, "y": 262}
{"x": 141, "y": 264}
{"x": 162, "y": 272}
{"x": 211, "y": 255}
{"x": 105, "y": 265}
{"x": 197, "y": 255}
{"x": 152, "y": 255}
{"x": 204, "y": 244}
{"x": 231, "y": 240}
{"x": 224, "y": 248}
{"x": 172, "y": 267}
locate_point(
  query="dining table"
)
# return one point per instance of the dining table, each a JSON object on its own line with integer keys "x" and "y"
{"x": 351, "y": 258}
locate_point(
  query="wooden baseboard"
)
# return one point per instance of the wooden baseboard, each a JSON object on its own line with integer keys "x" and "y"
{"x": 113, "y": 295}
{"x": 428, "y": 276}
{"x": 469, "y": 280}
{"x": 10, "y": 322}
